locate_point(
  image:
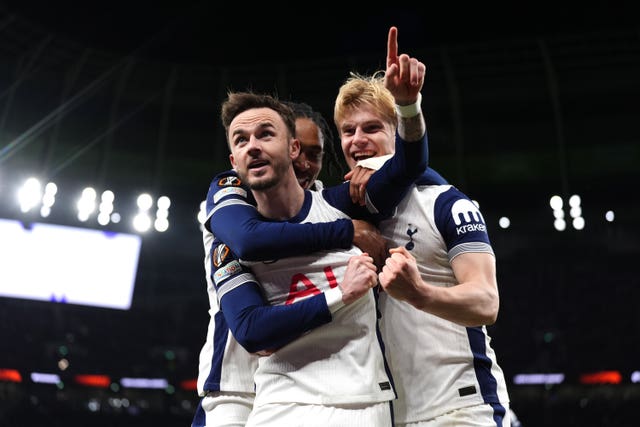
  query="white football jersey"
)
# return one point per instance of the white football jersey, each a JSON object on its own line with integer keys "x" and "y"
{"x": 337, "y": 363}
{"x": 437, "y": 365}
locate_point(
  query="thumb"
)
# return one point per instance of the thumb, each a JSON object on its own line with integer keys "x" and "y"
{"x": 401, "y": 250}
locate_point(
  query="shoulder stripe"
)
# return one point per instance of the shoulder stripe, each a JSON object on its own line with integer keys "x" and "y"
{"x": 227, "y": 191}
{"x": 229, "y": 203}
{"x": 227, "y": 271}
{"x": 235, "y": 282}
{"x": 470, "y": 247}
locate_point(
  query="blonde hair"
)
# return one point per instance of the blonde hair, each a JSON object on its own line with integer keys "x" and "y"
{"x": 359, "y": 90}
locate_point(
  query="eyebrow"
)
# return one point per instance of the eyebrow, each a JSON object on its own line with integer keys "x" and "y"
{"x": 364, "y": 123}
{"x": 261, "y": 126}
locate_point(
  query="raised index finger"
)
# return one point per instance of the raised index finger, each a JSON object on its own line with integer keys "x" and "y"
{"x": 392, "y": 46}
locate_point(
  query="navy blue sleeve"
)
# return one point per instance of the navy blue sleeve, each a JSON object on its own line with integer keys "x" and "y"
{"x": 431, "y": 177}
{"x": 460, "y": 222}
{"x": 255, "y": 324}
{"x": 233, "y": 218}
{"x": 387, "y": 186}
{"x": 258, "y": 326}
{"x": 399, "y": 172}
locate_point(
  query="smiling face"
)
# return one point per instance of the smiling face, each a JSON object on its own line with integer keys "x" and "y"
{"x": 262, "y": 149}
{"x": 364, "y": 134}
{"x": 309, "y": 163}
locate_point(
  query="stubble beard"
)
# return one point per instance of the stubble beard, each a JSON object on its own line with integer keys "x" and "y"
{"x": 265, "y": 183}
{"x": 259, "y": 184}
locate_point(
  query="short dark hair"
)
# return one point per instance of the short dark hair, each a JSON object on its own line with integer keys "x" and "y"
{"x": 239, "y": 102}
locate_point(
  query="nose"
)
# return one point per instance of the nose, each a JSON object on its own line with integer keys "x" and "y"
{"x": 360, "y": 137}
{"x": 253, "y": 144}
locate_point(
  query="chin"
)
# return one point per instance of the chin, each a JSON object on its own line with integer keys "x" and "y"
{"x": 261, "y": 183}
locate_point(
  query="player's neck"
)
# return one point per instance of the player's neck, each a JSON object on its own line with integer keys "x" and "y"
{"x": 282, "y": 201}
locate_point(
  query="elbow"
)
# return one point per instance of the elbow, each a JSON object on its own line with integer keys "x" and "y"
{"x": 246, "y": 334}
{"x": 490, "y": 319}
{"x": 422, "y": 166}
{"x": 484, "y": 313}
{"x": 248, "y": 342}
{"x": 419, "y": 170}
{"x": 490, "y": 313}
{"x": 486, "y": 318}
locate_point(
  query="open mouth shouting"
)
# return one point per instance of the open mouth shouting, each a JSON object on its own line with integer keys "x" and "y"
{"x": 361, "y": 155}
{"x": 257, "y": 166}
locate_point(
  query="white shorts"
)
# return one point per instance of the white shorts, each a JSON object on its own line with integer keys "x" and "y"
{"x": 225, "y": 409}
{"x": 301, "y": 415}
{"x": 472, "y": 416}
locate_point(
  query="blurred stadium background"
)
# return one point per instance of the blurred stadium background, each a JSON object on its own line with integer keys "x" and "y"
{"x": 522, "y": 105}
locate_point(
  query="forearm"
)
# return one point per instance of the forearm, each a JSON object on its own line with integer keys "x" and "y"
{"x": 412, "y": 128}
{"x": 467, "y": 304}
{"x": 258, "y": 326}
{"x": 253, "y": 239}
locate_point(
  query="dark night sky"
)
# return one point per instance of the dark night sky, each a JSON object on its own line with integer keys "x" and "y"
{"x": 206, "y": 32}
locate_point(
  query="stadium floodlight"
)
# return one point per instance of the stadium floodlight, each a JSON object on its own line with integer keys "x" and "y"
{"x": 560, "y": 224}
{"x": 574, "y": 200}
{"x": 144, "y": 201}
{"x": 86, "y": 204}
{"x": 30, "y": 194}
{"x": 162, "y": 214}
{"x": 555, "y": 202}
{"x": 48, "y": 199}
{"x": 142, "y": 222}
{"x": 164, "y": 203}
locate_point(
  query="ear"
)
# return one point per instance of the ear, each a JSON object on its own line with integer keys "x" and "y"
{"x": 294, "y": 148}
{"x": 232, "y": 161}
